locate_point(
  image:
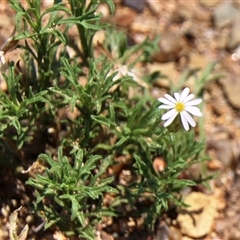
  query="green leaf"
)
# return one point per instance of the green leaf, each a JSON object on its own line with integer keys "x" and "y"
{"x": 120, "y": 142}
{"x": 88, "y": 25}
{"x": 56, "y": 8}
{"x": 111, "y": 5}
{"x": 87, "y": 234}
{"x": 75, "y": 209}
{"x": 103, "y": 120}
{"x": 90, "y": 164}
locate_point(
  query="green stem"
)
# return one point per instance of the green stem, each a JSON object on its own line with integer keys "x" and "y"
{"x": 84, "y": 43}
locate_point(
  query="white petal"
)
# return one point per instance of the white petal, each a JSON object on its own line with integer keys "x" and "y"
{"x": 165, "y": 101}
{"x": 169, "y": 114}
{"x": 177, "y": 96}
{"x": 166, "y": 106}
{"x": 184, "y": 94}
{"x": 189, "y": 119}
{"x": 170, "y": 120}
{"x": 117, "y": 77}
{"x": 133, "y": 75}
{"x": 188, "y": 98}
{"x": 123, "y": 69}
{"x": 184, "y": 121}
{"x": 170, "y": 98}
{"x": 194, "y": 111}
{"x": 194, "y": 102}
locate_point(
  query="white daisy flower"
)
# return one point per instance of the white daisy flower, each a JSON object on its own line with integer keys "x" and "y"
{"x": 123, "y": 71}
{"x": 182, "y": 104}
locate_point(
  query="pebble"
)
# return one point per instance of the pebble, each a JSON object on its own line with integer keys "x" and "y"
{"x": 172, "y": 47}
{"x": 159, "y": 164}
{"x": 224, "y": 14}
{"x": 182, "y": 13}
{"x": 162, "y": 232}
{"x": 3, "y": 84}
{"x": 196, "y": 221}
{"x": 174, "y": 233}
{"x": 137, "y": 5}
{"x": 214, "y": 165}
{"x": 29, "y": 219}
{"x": 224, "y": 152}
{"x": 209, "y": 3}
{"x": 231, "y": 86}
{"x": 125, "y": 17}
{"x": 234, "y": 37}
{"x": 99, "y": 37}
{"x": 156, "y": 8}
{"x": 221, "y": 151}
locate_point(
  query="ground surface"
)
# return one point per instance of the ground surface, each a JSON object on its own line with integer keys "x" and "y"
{"x": 193, "y": 33}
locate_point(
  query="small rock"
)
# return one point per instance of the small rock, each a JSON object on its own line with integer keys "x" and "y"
{"x": 155, "y": 7}
{"x": 105, "y": 236}
{"x": 99, "y": 37}
{"x": 3, "y": 84}
{"x": 225, "y": 152}
{"x": 222, "y": 153}
{"x": 182, "y": 13}
{"x": 162, "y": 232}
{"x": 208, "y": 3}
{"x": 125, "y": 17}
{"x": 145, "y": 26}
{"x": 228, "y": 225}
{"x": 174, "y": 233}
{"x": 234, "y": 37}
{"x": 224, "y": 14}
{"x": 104, "y": 10}
{"x": 137, "y": 5}
{"x": 214, "y": 165}
{"x": 196, "y": 220}
{"x": 172, "y": 47}
{"x": 47, "y": 4}
{"x": 159, "y": 164}
{"x": 231, "y": 86}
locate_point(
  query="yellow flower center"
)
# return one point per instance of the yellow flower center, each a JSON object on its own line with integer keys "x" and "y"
{"x": 179, "y": 106}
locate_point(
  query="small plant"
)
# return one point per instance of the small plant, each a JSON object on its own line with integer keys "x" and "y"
{"x": 78, "y": 114}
